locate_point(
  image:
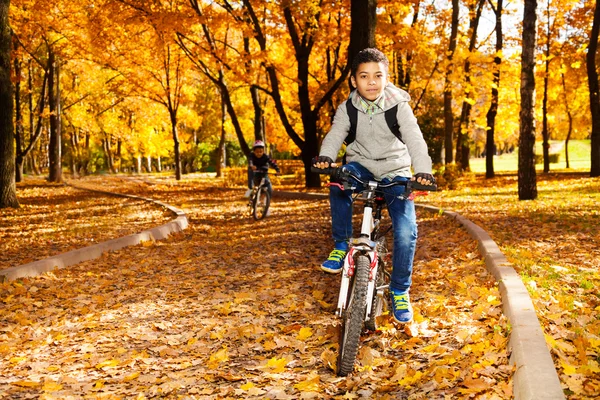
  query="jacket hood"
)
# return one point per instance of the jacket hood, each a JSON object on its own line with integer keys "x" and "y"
{"x": 393, "y": 96}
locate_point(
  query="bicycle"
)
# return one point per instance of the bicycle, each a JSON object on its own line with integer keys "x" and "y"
{"x": 260, "y": 197}
{"x": 365, "y": 274}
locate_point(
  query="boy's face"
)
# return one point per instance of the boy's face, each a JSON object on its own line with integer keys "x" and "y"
{"x": 370, "y": 80}
{"x": 259, "y": 151}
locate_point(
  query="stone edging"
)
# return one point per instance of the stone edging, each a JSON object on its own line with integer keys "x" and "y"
{"x": 535, "y": 376}
{"x": 94, "y": 251}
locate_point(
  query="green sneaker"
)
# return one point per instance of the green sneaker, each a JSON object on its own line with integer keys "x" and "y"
{"x": 335, "y": 261}
{"x": 401, "y": 308}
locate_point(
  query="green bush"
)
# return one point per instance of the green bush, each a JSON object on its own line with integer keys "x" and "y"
{"x": 554, "y": 158}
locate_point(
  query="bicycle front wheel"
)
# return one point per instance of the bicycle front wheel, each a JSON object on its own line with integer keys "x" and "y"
{"x": 353, "y": 317}
{"x": 262, "y": 200}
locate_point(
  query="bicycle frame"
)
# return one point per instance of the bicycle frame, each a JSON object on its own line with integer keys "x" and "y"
{"x": 362, "y": 244}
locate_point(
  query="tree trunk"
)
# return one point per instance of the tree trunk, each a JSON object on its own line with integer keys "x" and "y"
{"x": 570, "y": 117}
{"x": 527, "y": 178}
{"x": 8, "y": 190}
{"x": 259, "y": 133}
{"x": 448, "y": 114}
{"x": 490, "y": 147}
{"x": 545, "y": 131}
{"x": 176, "y": 151}
{"x": 221, "y": 149}
{"x": 594, "y": 97}
{"x": 363, "y": 18}
{"x": 18, "y": 123}
{"x": 54, "y": 149}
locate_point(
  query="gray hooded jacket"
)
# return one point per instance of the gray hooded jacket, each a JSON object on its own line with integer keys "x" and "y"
{"x": 376, "y": 147}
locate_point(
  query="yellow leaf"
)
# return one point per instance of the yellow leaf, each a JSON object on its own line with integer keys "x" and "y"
{"x": 131, "y": 377}
{"x": 309, "y": 385}
{"x": 30, "y": 384}
{"x": 218, "y": 357}
{"x": 431, "y": 348}
{"x": 51, "y": 386}
{"x": 317, "y": 294}
{"x": 474, "y": 385}
{"x": 247, "y": 386}
{"x": 225, "y": 308}
{"x": 107, "y": 363}
{"x": 568, "y": 369}
{"x": 304, "y": 333}
{"x": 269, "y": 345}
{"x": 276, "y": 365}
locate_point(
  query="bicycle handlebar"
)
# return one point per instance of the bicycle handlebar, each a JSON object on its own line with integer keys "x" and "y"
{"x": 340, "y": 173}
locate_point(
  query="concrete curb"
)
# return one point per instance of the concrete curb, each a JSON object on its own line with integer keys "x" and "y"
{"x": 535, "y": 375}
{"x": 91, "y": 252}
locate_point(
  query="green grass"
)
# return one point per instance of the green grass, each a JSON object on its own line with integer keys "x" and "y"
{"x": 579, "y": 158}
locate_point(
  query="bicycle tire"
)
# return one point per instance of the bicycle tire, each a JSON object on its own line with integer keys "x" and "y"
{"x": 261, "y": 203}
{"x": 353, "y": 317}
{"x": 379, "y": 302}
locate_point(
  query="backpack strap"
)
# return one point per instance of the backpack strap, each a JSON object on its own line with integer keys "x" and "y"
{"x": 391, "y": 118}
{"x": 353, "y": 115}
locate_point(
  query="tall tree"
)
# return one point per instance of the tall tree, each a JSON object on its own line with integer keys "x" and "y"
{"x": 211, "y": 60}
{"x": 570, "y": 119}
{"x": 55, "y": 146}
{"x": 448, "y": 114}
{"x": 8, "y": 190}
{"x": 490, "y": 146}
{"x": 594, "y": 96}
{"x": 302, "y": 23}
{"x": 547, "y": 59}
{"x": 527, "y": 178}
{"x": 363, "y": 17}
{"x": 463, "y": 151}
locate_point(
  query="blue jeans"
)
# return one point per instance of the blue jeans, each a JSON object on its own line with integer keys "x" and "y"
{"x": 402, "y": 214}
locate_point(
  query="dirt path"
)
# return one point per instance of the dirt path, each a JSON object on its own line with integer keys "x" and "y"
{"x": 232, "y": 308}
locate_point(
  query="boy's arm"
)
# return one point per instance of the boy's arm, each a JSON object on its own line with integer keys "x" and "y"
{"x": 332, "y": 143}
{"x": 413, "y": 138}
{"x": 273, "y": 164}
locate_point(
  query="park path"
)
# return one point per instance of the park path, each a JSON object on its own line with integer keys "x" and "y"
{"x": 234, "y": 308}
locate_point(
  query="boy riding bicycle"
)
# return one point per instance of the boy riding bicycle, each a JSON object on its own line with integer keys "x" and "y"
{"x": 381, "y": 154}
{"x": 259, "y": 163}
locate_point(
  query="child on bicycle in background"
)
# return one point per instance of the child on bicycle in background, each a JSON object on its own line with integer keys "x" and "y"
{"x": 259, "y": 163}
{"x": 377, "y": 153}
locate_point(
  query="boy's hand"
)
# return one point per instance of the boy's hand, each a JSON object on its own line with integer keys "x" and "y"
{"x": 424, "y": 179}
{"x": 322, "y": 162}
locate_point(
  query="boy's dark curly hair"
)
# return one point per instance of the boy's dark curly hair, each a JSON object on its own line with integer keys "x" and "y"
{"x": 369, "y": 55}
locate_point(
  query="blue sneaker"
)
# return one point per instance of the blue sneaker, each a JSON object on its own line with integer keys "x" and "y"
{"x": 335, "y": 261}
{"x": 401, "y": 309}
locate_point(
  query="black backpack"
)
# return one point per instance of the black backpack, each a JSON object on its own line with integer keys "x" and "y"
{"x": 390, "y": 118}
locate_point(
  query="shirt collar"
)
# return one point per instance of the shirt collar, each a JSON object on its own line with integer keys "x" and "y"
{"x": 370, "y": 107}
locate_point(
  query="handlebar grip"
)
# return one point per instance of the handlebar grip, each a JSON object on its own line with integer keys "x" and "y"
{"x": 414, "y": 185}
{"x": 323, "y": 171}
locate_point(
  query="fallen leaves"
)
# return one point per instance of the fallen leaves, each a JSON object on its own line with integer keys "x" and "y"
{"x": 233, "y": 308}
{"x": 554, "y": 244}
